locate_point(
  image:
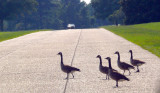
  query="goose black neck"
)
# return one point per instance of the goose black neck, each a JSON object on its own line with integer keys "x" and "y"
{"x": 100, "y": 61}
{"x": 131, "y": 55}
{"x": 61, "y": 59}
{"x": 109, "y": 61}
{"x": 118, "y": 57}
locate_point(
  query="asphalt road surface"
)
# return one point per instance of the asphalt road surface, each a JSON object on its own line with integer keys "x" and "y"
{"x": 30, "y": 64}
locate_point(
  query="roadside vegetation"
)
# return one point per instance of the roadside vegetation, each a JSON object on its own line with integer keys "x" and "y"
{"x": 46, "y": 14}
{"x": 145, "y": 35}
{"x": 10, "y": 35}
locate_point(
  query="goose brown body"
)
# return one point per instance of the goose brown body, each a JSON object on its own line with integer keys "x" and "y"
{"x": 115, "y": 75}
{"x": 135, "y": 62}
{"x": 103, "y": 69}
{"x": 67, "y": 69}
{"x": 122, "y": 65}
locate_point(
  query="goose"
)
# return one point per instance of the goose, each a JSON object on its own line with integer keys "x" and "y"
{"x": 67, "y": 69}
{"x": 135, "y": 62}
{"x": 115, "y": 75}
{"x": 122, "y": 65}
{"x": 103, "y": 69}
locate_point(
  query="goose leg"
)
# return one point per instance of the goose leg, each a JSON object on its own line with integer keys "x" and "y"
{"x": 107, "y": 76}
{"x": 72, "y": 75}
{"x": 129, "y": 72}
{"x": 116, "y": 83}
{"x": 123, "y": 72}
{"x": 67, "y": 76}
{"x": 137, "y": 69}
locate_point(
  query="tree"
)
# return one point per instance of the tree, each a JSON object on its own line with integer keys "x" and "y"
{"x": 55, "y": 14}
{"x": 10, "y": 9}
{"x": 117, "y": 17}
{"x": 75, "y": 12}
{"x": 141, "y": 11}
{"x": 103, "y": 8}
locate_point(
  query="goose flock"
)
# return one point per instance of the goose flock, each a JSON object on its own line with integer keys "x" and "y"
{"x": 109, "y": 71}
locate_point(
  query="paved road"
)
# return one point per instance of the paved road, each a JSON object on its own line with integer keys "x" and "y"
{"x": 30, "y": 64}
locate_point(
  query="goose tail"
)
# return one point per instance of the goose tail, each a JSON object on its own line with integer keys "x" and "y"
{"x": 127, "y": 79}
{"x": 76, "y": 69}
{"x": 132, "y": 67}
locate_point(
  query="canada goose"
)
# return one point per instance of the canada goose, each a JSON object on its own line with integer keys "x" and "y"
{"x": 67, "y": 69}
{"x": 103, "y": 69}
{"x": 135, "y": 62}
{"x": 122, "y": 65}
{"x": 115, "y": 75}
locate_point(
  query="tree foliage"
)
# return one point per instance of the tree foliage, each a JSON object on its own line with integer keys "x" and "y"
{"x": 9, "y": 9}
{"x": 141, "y": 11}
{"x": 117, "y": 17}
{"x": 52, "y": 14}
{"x": 103, "y": 8}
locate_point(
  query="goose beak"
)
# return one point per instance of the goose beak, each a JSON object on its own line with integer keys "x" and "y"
{"x": 58, "y": 53}
{"x": 116, "y": 52}
{"x": 98, "y": 56}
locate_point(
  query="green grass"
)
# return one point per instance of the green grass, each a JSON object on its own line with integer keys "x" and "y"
{"x": 145, "y": 35}
{"x": 10, "y": 35}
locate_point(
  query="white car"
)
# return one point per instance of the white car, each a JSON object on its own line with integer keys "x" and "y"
{"x": 71, "y": 26}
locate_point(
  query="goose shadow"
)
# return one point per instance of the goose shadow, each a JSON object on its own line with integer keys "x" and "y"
{"x": 70, "y": 78}
{"x": 115, "y": 87}
{"x": 105, "y": 79}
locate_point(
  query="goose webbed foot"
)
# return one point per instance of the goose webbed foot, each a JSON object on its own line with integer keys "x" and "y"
{"x": 137, "y": 69}
{"x": 116, "y": 84}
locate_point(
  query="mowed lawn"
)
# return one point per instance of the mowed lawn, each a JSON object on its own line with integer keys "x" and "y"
{"x": 10, "y": 35}
{"x": 145, "y": 35}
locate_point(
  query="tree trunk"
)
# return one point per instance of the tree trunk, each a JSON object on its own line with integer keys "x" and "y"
{"x": 1, "y": 25}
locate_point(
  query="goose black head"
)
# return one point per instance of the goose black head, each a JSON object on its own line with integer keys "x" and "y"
{"x": 60, "y": 53}
{"x": 98, "y": 56}
{"x": 130, "y": 51}
{"x": 116, "y": 52}
{"x": 108, "y": 58}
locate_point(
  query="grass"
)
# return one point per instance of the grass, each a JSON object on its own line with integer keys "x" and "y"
{"x": 10, "y": 35}
{"x": 145, "y": 35}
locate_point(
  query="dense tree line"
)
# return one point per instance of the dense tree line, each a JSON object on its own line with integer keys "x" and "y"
{"x": 108, "y": 9}
{"x": 141, "y": 11}
{"x": 10, "y": 9}
{"x": 127, "y": 11}
{"x": 104, "y": 8}
{"x": 46, "y": 14}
